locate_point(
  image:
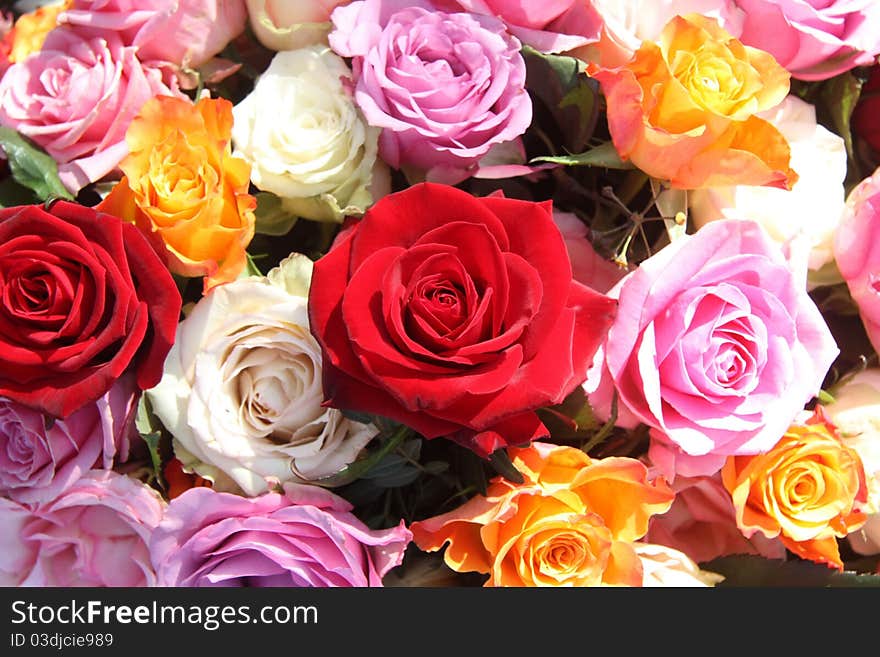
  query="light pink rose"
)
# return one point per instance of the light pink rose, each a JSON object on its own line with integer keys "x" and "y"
{"x": 40, "y": 458}
{"x": 286, "y": 25}
{"x": 814, "y": 39}
{"x": 182, "y": 32}
{"x": 94, "y": 534}
{"x": 305, "y": 537}
{"x": 857, "y": 252}
{"x": 76, "y": 98}
{"x": 444, "y": 87}
{"x": 551, "y": 26}
{"x": 702, "y": 524}
{"x": 587, "y": 266}
{"x": 716, "y": 346}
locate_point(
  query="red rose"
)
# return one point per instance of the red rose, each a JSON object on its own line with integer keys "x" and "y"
{"x": 83, "y": 296}
{"x": 455, "y": 315}
{"x": 866, "y": 117}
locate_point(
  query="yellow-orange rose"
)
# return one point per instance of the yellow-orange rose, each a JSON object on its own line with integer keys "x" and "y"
{"x": 30, "y": 29}
{"x": 809, "y": 490}
{"x": 571, "y": 523}
{"x": 183, "y": 187}
{"x": 683, "y": 109}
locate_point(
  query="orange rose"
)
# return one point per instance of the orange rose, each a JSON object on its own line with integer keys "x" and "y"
{"x": 683, "y": 109}
{"x": 183, "y": 187}
{"x": 571, "y": 523}
{"x": 808, "y": 490}
{"x": 30, "y": 29}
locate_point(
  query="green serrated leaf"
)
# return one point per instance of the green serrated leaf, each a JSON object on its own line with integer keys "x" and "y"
{"x": 752, "y": 570}
{"x": 150, "y": 429}
{"x": 32, "y": 167}
{"x": 603, "y": 155}
{"x": 271, "y": 216}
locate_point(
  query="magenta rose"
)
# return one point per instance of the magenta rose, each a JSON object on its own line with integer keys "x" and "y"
{"x": 94, "y": 534}
{"x": 40, "y": 458}
{"x": 814, "y": 39}
{"x": 455, "y": 315}
{"x": 702, "y": 523}
{"x": 305, "y": 537}
{"x": 716, "y": 346}
{"x": 76, "y": 98}
{"x": 857, "y": 252}
{"x": 546, "y": 25}
{"x": 445, "y": 87}
{"x": 83, "y": 299}
{"x": 183, "y": 32}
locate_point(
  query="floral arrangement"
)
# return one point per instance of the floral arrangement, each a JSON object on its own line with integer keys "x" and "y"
{"x": 440, "y": 293}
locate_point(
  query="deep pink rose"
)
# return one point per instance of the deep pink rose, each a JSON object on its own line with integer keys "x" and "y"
{"x": 857, "y": 252}
{"x": 182, "y": 32}
{"x": 40, "y": 458}
{"x": 546, "y": 25}
{"x": 716, "y": 346}
{"x": 814, "y": 39}
{"x": 76, "y": 98}
{"x": 444, "y": 87}
{"x": 302, "y": 538}
{"x": 94, "y": 534}
{"x": 702, "y": 524}
{"x": 454, "y": 314}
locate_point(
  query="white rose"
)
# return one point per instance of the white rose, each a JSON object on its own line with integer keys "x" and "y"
{"x": 242, "y": 389}
{"x": 856, "y": 413}
{"x": 812, "y": 209}
{"x": 305, "y": 139}
{"x": 289, "y": 24}
{"x": 667, "y": 567}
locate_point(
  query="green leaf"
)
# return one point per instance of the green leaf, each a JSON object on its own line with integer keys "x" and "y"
{"x": 150, "y": 429}
{"x": 251, "y": 268}
{"x": 752, "y": 570}
{"x": 603, "y": 155}
{"x": 500, "y": 461}
{"x": 271, "y": 217}
{"x": 839, "y": 96}
{"x": 363, "y": 465}
{"x": 571, "y": 97}
{"x": 32, "y": 167}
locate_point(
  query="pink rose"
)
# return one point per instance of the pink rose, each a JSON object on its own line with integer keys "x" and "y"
{"x": 814, "y": 40}
{"x": 702, "y": 524}
{"x": 183, "y": 32}
{"x": 94, "y": 534}
{"x": 857, "y": 252}
{"x": 716, "y": 346}
{"x": 76, "y": 98}
{"x": 546, "y": 25}
{"x": 444, "y": 87}
{"x": 39, "y": 458}
{"x": 305, "y": 537}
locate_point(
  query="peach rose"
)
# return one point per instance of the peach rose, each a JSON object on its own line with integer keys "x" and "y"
{"x": 31, "y": 29}
{"x": 571, "y": 523}
{"x": 809, "y": 490}
{"x": 183, "y": 187}
{"x": 683, "y": 108}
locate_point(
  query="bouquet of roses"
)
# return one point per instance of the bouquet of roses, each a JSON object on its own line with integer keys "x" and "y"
{"x": 440, "y": 293}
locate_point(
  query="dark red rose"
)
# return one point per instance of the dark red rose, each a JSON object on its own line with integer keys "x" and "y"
{"x": 866, "y": 117}
{"x": 455, "y": 315}
{"x": 83, "y": 297}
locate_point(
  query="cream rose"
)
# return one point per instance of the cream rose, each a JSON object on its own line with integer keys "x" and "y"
{"x": 856, "y": 413}
{"x": 666, "y": 567}
{"x": 304, "y": 138}
{"x": 812, "y": 209}
{"x": 286, "y": 25}
{"x": 242, "y": 391}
